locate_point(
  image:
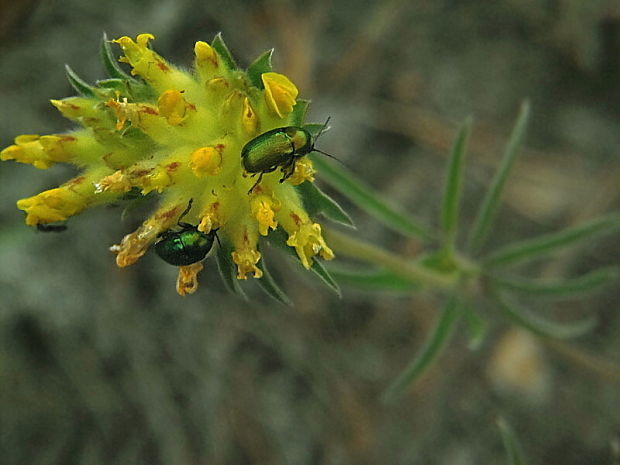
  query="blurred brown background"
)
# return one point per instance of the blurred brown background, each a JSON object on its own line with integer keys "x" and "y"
{"x": 106, "y": 366}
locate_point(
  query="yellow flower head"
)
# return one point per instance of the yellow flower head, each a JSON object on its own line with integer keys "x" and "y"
{"x": 180, "y": 135}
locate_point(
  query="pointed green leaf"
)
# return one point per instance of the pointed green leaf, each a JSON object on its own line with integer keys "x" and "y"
{"x": 542, "y": 327}
{"x": 226, "y": 268}
{"x": 434, "y": 345}
{"x": 534, "y": 248}
{"x": 110, "y": 62}
{"x": 514, "y": 451}
{"x": 476, "y": 325}
{"x": 261, "y": 65}
{"x": 278, "y": 239}
{"x": 318, "y": 202}
{"x": 362, "y": 196}
{"x": 452, "y": 187}
{"x": 117, "y": 84}
{"x": 372, "y": 280}
{"x": 270, "y": 286}
{"x": 299, "y": 112}
{"x": 319, "y": 270}
{"x": 140, "y": 91}
{"x": 488, "y": 208}
{"x": 315, "y": 128}
{"x": 222, "y": 50}
{"x": 81, "y": 86}
{"x": 562, "y": 289}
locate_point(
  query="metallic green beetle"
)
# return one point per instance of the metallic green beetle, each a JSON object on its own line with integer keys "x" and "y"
{"x": 278, "y": 148}
{"x": 187, "y": 246}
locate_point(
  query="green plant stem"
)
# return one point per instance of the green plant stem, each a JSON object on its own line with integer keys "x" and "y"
{"x": 345, "y": 245}
{"x": 585, "y": 360}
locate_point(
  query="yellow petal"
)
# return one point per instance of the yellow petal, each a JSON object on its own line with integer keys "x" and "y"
{"x": 304, "y": 171}
{"x": 249, "y": 120}
{"x": 309, "y": 242}
{"x": 143, "y": 116}
{"x": 116, "y": 182}
{"x": 206, "y": 57}
{"x": 135, "y": 244}
{"x": 187, "y": 280}
{"x": 206, "y": 161}
{"x": 139, "y": 55}
{"x": 211, "y": 217}
{"x": 173, "y": 107}
{"x": 280, "y": 93}
{"x": 246, "y": 260}
{"x": 151, "y": 66}
{"x": 52, "y": 205}
{"x": 41, "y": 152}
{"x": 264, "y": 209}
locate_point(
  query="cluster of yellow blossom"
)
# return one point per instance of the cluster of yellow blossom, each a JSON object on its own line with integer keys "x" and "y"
{"x": 179, "y": 134}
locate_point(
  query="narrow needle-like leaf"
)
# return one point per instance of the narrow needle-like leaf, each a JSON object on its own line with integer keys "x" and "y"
{"x": 538, "y": 246}
{"x": 430, "y": 351}
{"x": 476, "y": 325}
{"x": 542, "y": 327}
{"x": 452, "y": 189}
{"x": 79, "y": 84}
{"x": 372, "y": 280}
{"x": 319, "y": 269}
{"x": 488, "y": 208}
{"x": 268, "y": 284}
{"x": 318, "y": 202}
{"x": 227, "y": 270}
{"x": 277, "y": 238}
{"x": 110, "y": 62}
{"x": 562, "y": 289}
{"x": 514, "y": 451}
{"x": 367, "y": 200}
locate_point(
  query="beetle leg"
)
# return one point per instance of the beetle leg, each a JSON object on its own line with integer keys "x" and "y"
{"x": 214, "y": 231}
{"x": 189, "y": 207}
{"x": 288, "y": 169}
{"x": 260, "y": 178}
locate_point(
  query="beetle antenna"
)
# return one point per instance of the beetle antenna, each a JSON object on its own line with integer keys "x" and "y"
{"x": 189, "y": 207}
{"x": 330, "y": 156}
{"x": 316, "y": 138}
{"x": 322, "y": 129}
